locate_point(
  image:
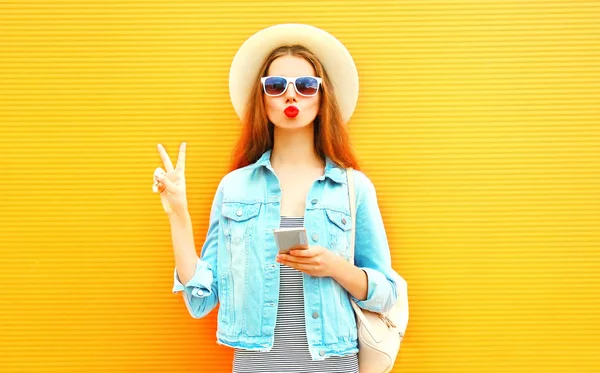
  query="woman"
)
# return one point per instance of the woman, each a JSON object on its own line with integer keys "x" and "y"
{"x": 295, "y": 87}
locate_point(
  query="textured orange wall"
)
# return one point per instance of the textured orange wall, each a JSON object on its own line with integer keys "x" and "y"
{"x": 478, "y": 122}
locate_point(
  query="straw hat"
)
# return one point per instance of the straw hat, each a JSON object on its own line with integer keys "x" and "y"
{"x": 334, "y": 56}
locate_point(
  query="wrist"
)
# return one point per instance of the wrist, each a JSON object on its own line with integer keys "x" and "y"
{"x": 340, "y": 266}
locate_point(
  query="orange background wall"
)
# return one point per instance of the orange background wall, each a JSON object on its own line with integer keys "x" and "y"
{"x": 478, "y": 122}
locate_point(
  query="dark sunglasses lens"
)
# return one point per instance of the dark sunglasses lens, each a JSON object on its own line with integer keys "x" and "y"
{"x": 307, "y": 85}
{"x": 275, "y": 85}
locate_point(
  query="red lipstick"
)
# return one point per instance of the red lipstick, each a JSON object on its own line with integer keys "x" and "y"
{"x": 291, "y": 111}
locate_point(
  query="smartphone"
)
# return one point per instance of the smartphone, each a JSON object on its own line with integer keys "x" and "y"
{"x": 286, "y": 238}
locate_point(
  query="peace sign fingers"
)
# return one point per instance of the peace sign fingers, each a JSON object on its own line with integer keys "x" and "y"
{"x": 181, "y": 158}
{"x": 165, "y": 158}
{"x": 170, "y": 182}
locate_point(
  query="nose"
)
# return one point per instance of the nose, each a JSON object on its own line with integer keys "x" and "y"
{"x": 290, "y": 93}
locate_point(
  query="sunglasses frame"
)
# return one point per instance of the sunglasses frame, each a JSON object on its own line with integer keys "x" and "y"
{"x": 287, "y": 84}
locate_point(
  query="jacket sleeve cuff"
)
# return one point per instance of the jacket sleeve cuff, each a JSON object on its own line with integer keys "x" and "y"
{"x": 199, "y": 285}
{"x": 378, "y": 293}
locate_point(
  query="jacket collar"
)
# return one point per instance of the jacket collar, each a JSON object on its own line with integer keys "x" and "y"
{"x": 332, "y": 170}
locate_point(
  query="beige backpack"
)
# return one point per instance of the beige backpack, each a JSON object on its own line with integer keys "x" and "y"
{"x": 379, "y": 335}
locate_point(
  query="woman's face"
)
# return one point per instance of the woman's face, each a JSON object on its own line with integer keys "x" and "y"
{"x": 275, "y": 107}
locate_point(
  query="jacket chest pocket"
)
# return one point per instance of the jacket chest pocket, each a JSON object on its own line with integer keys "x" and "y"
{"x": 240, "y": 220}
{"x": 340, "y": 229}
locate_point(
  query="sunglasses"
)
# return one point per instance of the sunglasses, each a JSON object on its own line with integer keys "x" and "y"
{"x": 277, "y": 85}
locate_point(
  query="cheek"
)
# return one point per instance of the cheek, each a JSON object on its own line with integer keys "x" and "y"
{"x": 270, "y": 106}
{"x": 313, "y": 106}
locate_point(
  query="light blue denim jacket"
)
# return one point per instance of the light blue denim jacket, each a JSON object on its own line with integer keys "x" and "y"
{"x": 237, "y": 268}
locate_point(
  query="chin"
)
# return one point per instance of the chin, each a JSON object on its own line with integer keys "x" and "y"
{"x": 292, "y": 123}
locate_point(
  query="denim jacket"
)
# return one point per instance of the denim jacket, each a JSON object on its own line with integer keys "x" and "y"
{"x": 237, "y": 268}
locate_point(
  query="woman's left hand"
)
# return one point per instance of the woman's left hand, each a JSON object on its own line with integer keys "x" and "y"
{"x": 316, "y": 260}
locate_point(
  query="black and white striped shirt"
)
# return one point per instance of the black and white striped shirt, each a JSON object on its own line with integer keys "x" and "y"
{"x": 290, "y": 352}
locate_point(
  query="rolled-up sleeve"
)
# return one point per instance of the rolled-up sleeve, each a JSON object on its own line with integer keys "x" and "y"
{"x": 200, "y": 293}
{"x": 372, "y": 251}
{"x": 198, "y": 286}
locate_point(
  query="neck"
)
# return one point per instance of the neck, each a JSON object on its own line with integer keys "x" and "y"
{"x": 295, "y": 147}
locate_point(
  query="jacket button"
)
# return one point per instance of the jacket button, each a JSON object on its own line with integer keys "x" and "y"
{"x": 239, "y": 212}
{"x": 314, "y": 201}
{"x": 315, "y": 237}
{"x": 315, "y": 315}
{"x": 343, "y": 220}
{"x": 322, "y": 353}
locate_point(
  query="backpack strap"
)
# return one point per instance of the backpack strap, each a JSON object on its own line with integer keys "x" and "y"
{"x": 352, "y": 198}
{"x": 401, "y": 307}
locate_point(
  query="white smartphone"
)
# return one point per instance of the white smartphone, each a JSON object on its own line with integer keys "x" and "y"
{"x": 286, "y": 238}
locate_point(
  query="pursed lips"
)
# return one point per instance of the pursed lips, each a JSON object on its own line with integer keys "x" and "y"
{"x": 291, "y": 111}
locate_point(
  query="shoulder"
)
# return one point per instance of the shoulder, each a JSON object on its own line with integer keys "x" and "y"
{"x": 237, "y": 176}
{"x": 364, "y": 189}
{"x": 247, "y": 174}
{"x": 242, "y": 185}
{"x": 362, "y": 183}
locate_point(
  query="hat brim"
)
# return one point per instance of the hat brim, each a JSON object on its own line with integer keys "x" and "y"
{"x": 334, "y": 56}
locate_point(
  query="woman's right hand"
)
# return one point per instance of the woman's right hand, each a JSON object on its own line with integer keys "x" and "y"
{"x": 171, "y": 183}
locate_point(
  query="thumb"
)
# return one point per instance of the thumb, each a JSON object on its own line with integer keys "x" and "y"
{"x": 162, "y": 178}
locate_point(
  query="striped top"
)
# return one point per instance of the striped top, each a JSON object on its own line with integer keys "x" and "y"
{"x": 290, "y": 349}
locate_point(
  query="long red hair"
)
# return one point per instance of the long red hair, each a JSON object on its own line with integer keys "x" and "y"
{"x": 330, "y": 135}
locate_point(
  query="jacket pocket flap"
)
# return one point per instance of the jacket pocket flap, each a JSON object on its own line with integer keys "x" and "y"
{"x": 342, "y": 220}
{"x": 239, "y": 211}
